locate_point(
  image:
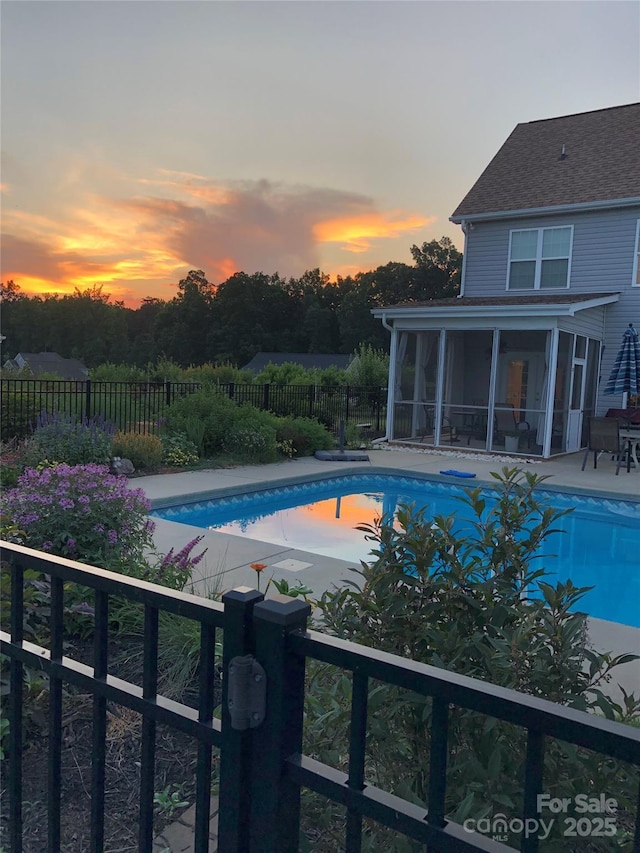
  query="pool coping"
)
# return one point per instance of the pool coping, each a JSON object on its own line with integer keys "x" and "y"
{"x": 373, "y": 471}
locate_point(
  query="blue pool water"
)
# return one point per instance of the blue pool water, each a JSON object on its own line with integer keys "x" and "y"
{"x": 599, "y": 544}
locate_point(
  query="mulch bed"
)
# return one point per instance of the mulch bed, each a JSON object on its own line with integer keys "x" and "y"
{"x": 174, "y": 767}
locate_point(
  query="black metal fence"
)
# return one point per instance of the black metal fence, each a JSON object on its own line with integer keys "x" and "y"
{"x": 140, "y": 406}
{"x": 260, "y": 737}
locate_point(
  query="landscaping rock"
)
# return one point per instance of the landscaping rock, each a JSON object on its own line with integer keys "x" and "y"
{"x": 121, "y": 466}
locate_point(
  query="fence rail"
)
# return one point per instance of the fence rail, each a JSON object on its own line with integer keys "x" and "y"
{"x": 140, "y": 406}
{"x": 262, "y": 766}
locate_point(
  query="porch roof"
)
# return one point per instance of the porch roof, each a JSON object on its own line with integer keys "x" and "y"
{"x": 538, "y": 305}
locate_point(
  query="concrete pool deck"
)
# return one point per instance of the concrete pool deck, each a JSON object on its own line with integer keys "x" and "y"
{"x": 227, "y": 562}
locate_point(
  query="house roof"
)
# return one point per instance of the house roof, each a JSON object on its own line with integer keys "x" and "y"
{"x": 600, "y": 165}
{"x": 483, "y": 306}
{"x": 308, "y": 360}
{"x": 49, "y": 362}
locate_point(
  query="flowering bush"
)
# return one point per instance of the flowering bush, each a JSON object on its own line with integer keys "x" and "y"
{"x": 178, "y": 450}
{"x": 175, "y": 568}
{"x": 60, "y": 437}
{"x": 251, "y": 442}
{"x": 82, "y": 512}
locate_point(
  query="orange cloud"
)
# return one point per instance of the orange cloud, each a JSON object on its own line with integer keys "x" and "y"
{"x": 358, "y": 232}
{"x": 139, "y": 245}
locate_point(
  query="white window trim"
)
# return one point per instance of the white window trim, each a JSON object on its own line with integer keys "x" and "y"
{"x": 538, "y": 259}
{"x": 636, "y": 258}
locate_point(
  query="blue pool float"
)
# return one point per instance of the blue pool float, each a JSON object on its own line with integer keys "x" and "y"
{"x": 453, "y": 473}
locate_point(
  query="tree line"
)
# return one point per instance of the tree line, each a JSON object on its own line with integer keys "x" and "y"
{"x": 229, "y": 322}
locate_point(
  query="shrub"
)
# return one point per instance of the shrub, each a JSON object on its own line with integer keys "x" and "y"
{"x": 473, "y": 604}
{"x": 217, "y": 374}
{"x": 213, "y": 409}
{"x": 18, "y": 413}
{"x": 60, "y": 437}
{"x": 178, "y": 450}
{"x": 11, "y": 464}
{"x": 370, "y": 367}
{"x": 288, "y": 373}
{"x": 252, "y": 438}
{"x": 195, "y": 430}
{"x": 108, "y": 372}
{"x": 82, "y": 512}
{"x": 145, "y": 451}
{"x": 305, "y": 435}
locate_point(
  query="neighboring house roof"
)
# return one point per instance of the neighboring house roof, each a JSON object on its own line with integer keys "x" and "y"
{"x": 535, "y": 304}
{"x": 586, "y": 159}
{"x": 49, "y": 362}
{"x": 308, "y": 360}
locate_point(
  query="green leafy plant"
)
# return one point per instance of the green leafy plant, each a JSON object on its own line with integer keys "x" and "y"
{"x": 195, "y": 430}
{"x": 11, "y": 463}
{"x": 60, "y": 437}
{"x": 170, "y": 800}
{"x": 252, "y": 437}
{"x": 471, "y": 597}
{"x": 298, "y": 590}
{"x": 369, "y": 367}
{"x": 306, "y": 435}
{"x": 144, "y": 451}
{"x": 177, "y": 450}
{"x": 213, "y": 409}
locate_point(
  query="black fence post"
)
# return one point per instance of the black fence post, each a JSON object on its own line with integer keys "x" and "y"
{"x": 265, "y": 396}
{"x": 231, "y": 389}
{"x": 346, "y": 406}
{"x": 87, "y": 399}
{"x": 312, "y": 389}
{"x": 275, "y": 801}
{"x": 235, "y": 754}
{"x": 167, "y": 392}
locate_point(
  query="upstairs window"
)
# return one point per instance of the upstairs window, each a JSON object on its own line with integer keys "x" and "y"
{"x": 539, "y": 258}
{"x": 635, "y": 281}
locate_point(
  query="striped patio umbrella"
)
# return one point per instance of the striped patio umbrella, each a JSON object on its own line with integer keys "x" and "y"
{"x": 625, "y": 375}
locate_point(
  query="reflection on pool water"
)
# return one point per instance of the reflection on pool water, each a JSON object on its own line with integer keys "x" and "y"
{"x": 599, "y": 545}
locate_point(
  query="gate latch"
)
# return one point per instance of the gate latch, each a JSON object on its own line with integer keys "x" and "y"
{"x": 247, "y": 694}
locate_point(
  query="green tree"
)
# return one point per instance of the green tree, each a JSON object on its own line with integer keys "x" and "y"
{"x": 438, "y": 266}
{"x": 251, "y": 314}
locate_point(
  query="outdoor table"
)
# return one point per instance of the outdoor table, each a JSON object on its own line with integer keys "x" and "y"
{"x": 632, "y": 439}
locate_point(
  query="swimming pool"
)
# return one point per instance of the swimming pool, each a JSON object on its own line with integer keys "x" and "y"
{"x": 600, "y": 545}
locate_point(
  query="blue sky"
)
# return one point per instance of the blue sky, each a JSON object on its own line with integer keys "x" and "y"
{"x": 144, "y": 139}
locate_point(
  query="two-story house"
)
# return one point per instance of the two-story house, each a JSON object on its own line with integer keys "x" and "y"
{"x": 550, "y": 282}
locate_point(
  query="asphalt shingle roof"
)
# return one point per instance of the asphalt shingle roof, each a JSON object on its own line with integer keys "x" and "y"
{"x": 601, "y": 163}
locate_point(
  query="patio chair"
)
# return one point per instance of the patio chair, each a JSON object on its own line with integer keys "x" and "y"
{"x": 505, "y": 423}
{"x": 447, "y": 430}
{"x": 604, "y": 437}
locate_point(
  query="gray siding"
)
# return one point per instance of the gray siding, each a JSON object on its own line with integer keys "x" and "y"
{"x": 601, "y": 262}
{"x": 590, "y": 323}
{"x": 602, "y": 257}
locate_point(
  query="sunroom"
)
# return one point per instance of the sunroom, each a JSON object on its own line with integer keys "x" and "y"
{"x": 499, "y": 374}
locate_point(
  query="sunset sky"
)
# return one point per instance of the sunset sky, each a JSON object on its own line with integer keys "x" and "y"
{"x": 144, "y": 139}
